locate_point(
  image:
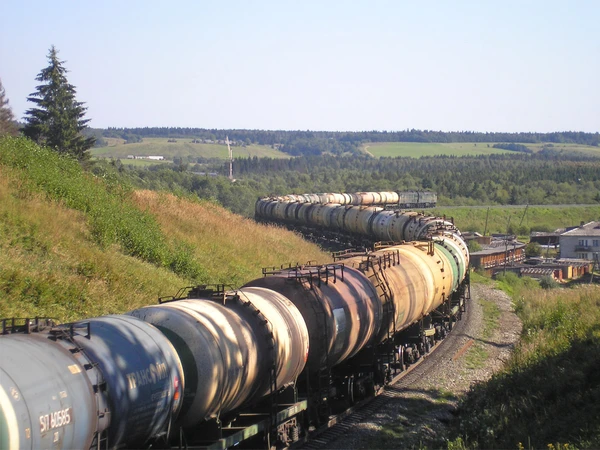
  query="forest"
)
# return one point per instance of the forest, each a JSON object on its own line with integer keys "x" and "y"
{"x": 546, "y": 177}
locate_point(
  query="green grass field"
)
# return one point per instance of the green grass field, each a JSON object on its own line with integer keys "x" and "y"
{"x": 182, "y": 148}
{"x": 570, "y": 148}
{"x": 546, "y": 394}
{"x": 416, "y": 150}
{"x": 547, "y": 217}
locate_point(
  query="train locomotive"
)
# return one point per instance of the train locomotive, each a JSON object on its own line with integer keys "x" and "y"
{"x": 213, "y": 367}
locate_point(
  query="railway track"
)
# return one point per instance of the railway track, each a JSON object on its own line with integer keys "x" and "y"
{"x": 342, "y": 423}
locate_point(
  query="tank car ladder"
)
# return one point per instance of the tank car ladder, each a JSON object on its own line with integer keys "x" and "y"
{"x": 324, "y": 372}
{"x": 380, "y": 282}
{"x": 100, "y": 440}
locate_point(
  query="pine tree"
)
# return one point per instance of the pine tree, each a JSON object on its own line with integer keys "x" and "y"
{"x": 57, "y": 119}
{"x": 7, "y": 119}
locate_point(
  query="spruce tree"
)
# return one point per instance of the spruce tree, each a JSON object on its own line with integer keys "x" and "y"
{"x": 57, "y": 120}
{"x": 7, "y": 119}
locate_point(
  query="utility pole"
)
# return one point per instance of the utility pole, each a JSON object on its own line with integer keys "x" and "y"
{"x": 486, "y": 220}
{"x": 230, "y": 158}
{"x": 506, "y": 245}
{"x": 523, "y": 216}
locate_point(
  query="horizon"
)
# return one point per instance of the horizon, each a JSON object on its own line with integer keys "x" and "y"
{"x": 385, "y": 65}
{"x": 348, "y": 131}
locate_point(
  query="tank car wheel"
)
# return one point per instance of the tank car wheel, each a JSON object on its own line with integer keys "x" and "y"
{"x": 443, "y": 331}
{"x": 350, "y": 390}
{"x": 401, "y": 356}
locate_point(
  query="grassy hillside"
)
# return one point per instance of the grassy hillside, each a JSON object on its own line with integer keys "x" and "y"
{"x": 540, "y": 218}
{"x": 548, "y": 396}
{"x": 416, "y": 149}
{"x": 182, "y": 148}
{"x": 74, "y": 245}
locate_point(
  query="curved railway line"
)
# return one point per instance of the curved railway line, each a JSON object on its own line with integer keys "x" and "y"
{"x": 339, "y": 425}
{"x": 258, "y": 366}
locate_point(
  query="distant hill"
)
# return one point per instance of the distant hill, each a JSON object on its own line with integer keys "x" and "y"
{"x": 298, "y": 142}
{"x": 191, "y": 152}
{"x": 418, "y": 149}
{"x": 74, "y": 244}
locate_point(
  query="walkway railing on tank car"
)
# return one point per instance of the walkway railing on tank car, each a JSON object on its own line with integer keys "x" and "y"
{"x": 26, "y": 325}
{"x": 310, "y": 272}
{"x": 388, "y": 259}
{"x": 212, "y": 291}
{"x": 348, "y": 253}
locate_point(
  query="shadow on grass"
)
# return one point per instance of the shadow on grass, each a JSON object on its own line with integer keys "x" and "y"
{"x": 493, "y": 344}
{"x": 553, "y": 400}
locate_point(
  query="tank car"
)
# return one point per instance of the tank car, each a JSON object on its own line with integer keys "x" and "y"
{"x": 366, "y": 221}
{"x": 373, "y": 314}
{"x": 110, "y": 381}
{"x": 235, "y": 348}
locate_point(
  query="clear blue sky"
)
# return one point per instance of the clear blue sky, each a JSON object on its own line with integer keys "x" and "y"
{"x": 321, "y": 65}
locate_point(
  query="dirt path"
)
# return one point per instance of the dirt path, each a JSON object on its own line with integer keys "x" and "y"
{"x": 368, "y": 152}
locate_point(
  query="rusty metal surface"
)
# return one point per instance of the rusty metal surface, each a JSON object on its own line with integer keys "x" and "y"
{"x": 417, "y": 281}
{"x": 342, "y": 316}
{"x": 228, "y": 350}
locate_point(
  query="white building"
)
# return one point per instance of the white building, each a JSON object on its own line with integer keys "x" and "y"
{"x": 581, "y": 242}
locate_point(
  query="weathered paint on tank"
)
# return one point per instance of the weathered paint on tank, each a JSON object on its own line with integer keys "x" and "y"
{"x": 142, "y": 372}
{"x": 342, "y": 316}
{"x": 226, "y": 349}
{"x": 46, "y": 398}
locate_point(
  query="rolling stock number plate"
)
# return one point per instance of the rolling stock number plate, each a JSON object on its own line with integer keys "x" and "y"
{"x": 55, "y": 419}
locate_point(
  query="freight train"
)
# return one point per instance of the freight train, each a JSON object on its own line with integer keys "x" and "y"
{"x": 361, "y": 214}
{"x": 400, "y": 199}
{"x": 215, "y": 368}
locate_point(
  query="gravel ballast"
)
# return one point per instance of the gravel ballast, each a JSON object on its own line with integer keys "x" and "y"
{"x": 425, "y": 400}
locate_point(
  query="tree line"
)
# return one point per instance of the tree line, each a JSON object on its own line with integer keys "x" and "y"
{"x": 58, "y": 120}
{"x": 338, "y": 143}
{"x": 503, "y": 179}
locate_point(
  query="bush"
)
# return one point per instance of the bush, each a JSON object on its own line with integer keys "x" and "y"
{"x": 533, "y": 249}
{"x": 523, "y": 230}
{"x": 473, "y": 246}
{"x": 548, "y": 282}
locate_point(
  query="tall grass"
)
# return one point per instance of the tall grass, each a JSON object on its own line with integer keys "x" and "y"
{"x": 112, "y": 216}
{"x": 73, "y": 245}
{"x": 50, "y": 265}
{"x": 231, "y": 248}
{"x": 550, "y": 390}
